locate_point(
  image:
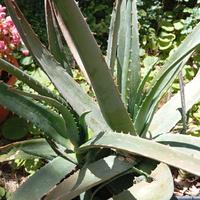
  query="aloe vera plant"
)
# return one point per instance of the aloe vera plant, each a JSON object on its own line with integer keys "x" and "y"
{"x": 116, "y": 146}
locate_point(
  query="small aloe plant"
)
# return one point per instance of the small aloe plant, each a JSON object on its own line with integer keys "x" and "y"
{"x": 118, "y": 147}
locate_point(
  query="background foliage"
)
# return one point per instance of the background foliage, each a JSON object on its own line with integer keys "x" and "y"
{"x": 178, "y": 16}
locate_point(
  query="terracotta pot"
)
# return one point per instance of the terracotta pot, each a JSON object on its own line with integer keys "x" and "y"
{"x": 10, "y": 80}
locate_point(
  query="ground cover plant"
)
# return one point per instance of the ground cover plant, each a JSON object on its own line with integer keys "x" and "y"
{"x": 116, "y": 145}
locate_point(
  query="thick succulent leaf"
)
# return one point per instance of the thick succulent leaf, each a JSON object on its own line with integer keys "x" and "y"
{"x": 88, "y": 177}
{"x": 34, "y": 147}
{"x": 72, "y": 47}
{"x": 171, "y": 108}
{"x": 31, "y": 82}
{"x": 121, "y": 43}
{"x": 165, "y": 78}
{"x": 131, "y": 64}
{"x": 151, "y": 63}
{"x": 95, "y": 65}
{"x": 80, "y": 102}
{"x": 150, "y": 149}
{"x": 51, "y": 123}
{"x": 71, "y": 132}
{"x": 113, "y": 36}
{"x": 122, "y": 32}
{"x": 55, "y": 40}
{"x": 161, "y": 188}
{"x": 185, "y": 143}
{"x": 44, "y": 180}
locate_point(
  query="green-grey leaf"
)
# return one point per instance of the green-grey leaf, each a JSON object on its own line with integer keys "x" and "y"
{"x": 45, "y": 119}
{"x": 161, "y": 188}
{"x": 95, "y": 65}
{"x": 192, "y": 96}
{"x": 31, "y": 82}
{"x": 163, "y": 81}
{"x": 43, "y": 180}
{"x": 121, "y": 44}
{"x": 56, "y": 45}
{"x": 80, "y": 102}
{"x": 185, "y": 143}
{"x": 134, "y": 71}
{"x": 35, "y": 147}
{"x": 71, "y": 131}
{"x": 113, "y": 36}
{"x": 149, "y": 63}
{"x": 88, "y": 177}
{"x": 150, "y": 149}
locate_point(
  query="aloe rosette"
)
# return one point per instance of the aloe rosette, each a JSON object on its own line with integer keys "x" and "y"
{"x": 94, "y": 144}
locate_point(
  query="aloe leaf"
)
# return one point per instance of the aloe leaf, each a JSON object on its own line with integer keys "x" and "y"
{"x": 150, "y": 149}
{"x": 72, "y": 131}
{"x": 131, "y": 61}
{"x": 141, "y": 87}
{"x": 162, "y": 83}
{"x": 44, "y": 180}
{"x": 134, "y": 71}
{"x": 45, "y": 119}
{"x": 72, "y": 47}
{"x": 122, "y": 32}
{"x": 102, "y": 82}
{"x": 88, "y": 177}
{"x": 192, "y": 96}
{"x": 185, "y": 143}
{"x": 80, "y": 102}
{"x": 113, "y": 36}
{"x": 31, "y": 82}
{"x": 161, "y": 188}
{"x": 121, "y": 44}
{"x": 127, "y": 47}
{"x": 35, "y": 147}
{"x": 56, "y": 45}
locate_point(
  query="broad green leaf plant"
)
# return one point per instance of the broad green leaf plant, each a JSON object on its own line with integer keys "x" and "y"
{"x": 116, "y": 145}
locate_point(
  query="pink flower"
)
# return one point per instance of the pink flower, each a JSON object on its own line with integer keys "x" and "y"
{"x": 9, "y": 36}
{"x": 2, "y": 45}
{"x": 2, "y": 15}
{"x": 2, "y": 8}
{"x": 9, "y": 21}
{"x": 5, "y": 29}
{"x": 15, "y": 36}
{"x": 25, "y": 52}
